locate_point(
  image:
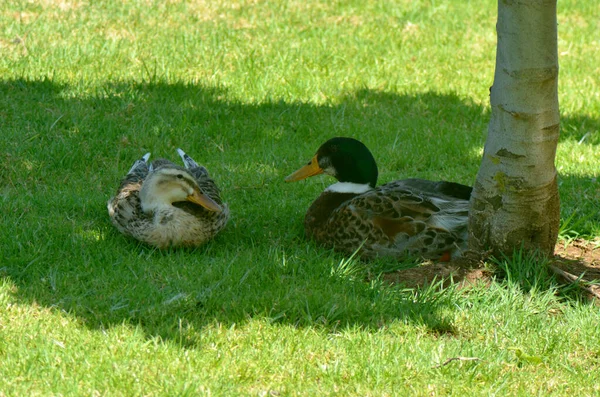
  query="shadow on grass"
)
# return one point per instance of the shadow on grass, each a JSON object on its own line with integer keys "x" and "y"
{"x": 63, "y": 152}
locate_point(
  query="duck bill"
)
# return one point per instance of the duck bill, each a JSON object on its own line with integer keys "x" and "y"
{"x": 202, "y": 199}
{"x": 311, "y": 169}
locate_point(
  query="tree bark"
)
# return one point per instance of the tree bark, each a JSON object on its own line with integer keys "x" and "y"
{"x": 515, "y": 199}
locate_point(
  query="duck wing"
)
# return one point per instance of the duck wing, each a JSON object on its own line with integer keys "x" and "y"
{"x": 200, "y": 173}
{"x": 450, "y": 189}
{"x": 137, "y": 173}
{"x": 402, "y": 218}
{"x": 125, "y": 205}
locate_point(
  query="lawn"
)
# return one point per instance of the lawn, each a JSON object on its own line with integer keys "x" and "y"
{"x": 250, "y": 89}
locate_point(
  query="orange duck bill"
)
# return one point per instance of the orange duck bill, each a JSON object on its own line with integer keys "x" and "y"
{"x": 310, "y": 169}
{"x": 202, "y": 199}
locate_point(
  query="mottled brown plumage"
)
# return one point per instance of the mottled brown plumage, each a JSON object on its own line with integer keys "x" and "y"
{"x": 406, "y": 218}
{"x": 165, "y": 205}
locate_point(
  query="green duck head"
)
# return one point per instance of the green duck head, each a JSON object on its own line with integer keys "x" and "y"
{"x": 346, "y": 159}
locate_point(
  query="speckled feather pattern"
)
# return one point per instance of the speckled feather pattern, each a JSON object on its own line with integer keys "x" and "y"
{"x": 181, "y": 224}
{"x": 411, "y": 217}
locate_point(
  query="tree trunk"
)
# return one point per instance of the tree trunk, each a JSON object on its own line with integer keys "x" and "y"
{"x": 515, "y": 198}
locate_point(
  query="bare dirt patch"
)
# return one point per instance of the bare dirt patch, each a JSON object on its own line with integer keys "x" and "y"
{"x": 579, "y": 257}
{"x": 576, "y": 260}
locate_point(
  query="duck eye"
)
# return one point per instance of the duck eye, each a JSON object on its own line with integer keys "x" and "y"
{"x": 179, "y": 176}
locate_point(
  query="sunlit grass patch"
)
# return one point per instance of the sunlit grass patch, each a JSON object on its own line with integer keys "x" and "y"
{"x": 251, "y": 89}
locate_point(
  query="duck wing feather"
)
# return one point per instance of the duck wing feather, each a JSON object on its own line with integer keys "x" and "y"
{"x": 410, "y": 217}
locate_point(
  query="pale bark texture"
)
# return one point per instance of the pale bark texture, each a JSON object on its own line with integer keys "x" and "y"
{"x": 515, "y": 199}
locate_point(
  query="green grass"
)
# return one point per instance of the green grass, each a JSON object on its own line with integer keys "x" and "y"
{"x": 250, "y": 89}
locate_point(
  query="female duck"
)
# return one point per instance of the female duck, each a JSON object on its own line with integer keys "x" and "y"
{"x": 406, "y": 218}
{"x": 165, "y": 205}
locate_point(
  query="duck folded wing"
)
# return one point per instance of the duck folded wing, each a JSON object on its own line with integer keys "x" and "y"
{"x": 391, "y": 221}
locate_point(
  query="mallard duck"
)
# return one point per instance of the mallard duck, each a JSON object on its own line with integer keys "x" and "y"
{"x": 401, "y": 219}
{"x": 165, "y": 205}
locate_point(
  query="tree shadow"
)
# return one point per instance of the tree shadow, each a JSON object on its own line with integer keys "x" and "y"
{"x": 65, "y": 150}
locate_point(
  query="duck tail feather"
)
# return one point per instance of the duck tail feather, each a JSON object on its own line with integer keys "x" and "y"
{"x": 187, "y": 160}
{"x": 139, "y": 165}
